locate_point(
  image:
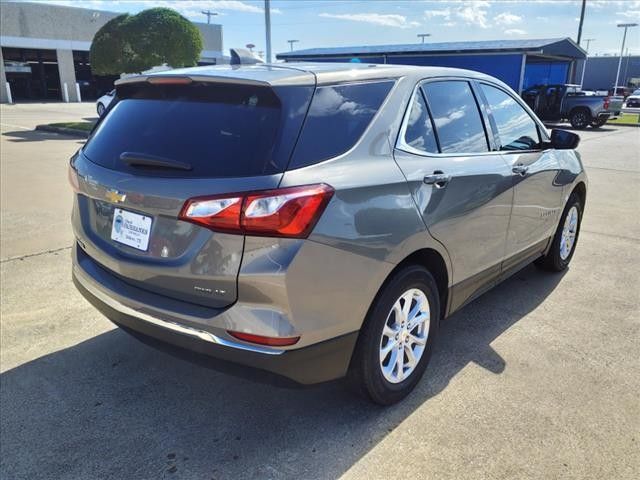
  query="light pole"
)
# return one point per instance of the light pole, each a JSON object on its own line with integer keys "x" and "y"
{"x": 209, "y": 14}
{"x": 291, "y": 42}
{"x": 624, "y": 38}
{"x": 267, "y": 27}
{"x": 584, "y": 65}
{"x": 423, "y": 36}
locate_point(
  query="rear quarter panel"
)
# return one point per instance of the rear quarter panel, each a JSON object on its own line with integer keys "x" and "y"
{"x": 370, "y": 225}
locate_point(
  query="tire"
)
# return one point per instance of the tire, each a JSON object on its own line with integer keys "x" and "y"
{"x": 558, "y": 257}
{"x": 580, "y": 118}
{"x": 366, "y": 374}
{"x": 100, "y": 109}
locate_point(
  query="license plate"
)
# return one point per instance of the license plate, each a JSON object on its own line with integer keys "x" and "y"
{"x": 131, "y": 229}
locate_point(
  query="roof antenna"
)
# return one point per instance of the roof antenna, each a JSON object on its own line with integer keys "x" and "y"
{"x": 242, "y": 56}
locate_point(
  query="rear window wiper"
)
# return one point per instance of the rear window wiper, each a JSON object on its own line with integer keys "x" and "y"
{"x": 134, "y": 159}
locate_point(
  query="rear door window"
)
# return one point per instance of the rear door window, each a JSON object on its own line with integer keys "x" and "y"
{"x": 456, "y": 117}
{"x": 419, "y": 132}
{"x": 337, "y": 118}
{"x": 219, "y": 130}
{"x": 516, "y": 129}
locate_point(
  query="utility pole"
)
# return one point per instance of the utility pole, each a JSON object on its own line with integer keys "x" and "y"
{"x": 423, "y": 35}
{"x": 209, "y": 14}
{"x": 624, "y": 38}
{"x": 291, "y": 42}
{"x": 267, "y": 27}
{"x": 584, "y": 65}
{"x": 584, "y": 5}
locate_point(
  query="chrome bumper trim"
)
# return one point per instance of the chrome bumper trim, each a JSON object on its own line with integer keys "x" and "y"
{"x": 176, "y": 327}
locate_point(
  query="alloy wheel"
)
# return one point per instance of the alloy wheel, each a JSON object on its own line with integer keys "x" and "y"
{"x": 404, "y": 335}
{"x": 569, "y": 231}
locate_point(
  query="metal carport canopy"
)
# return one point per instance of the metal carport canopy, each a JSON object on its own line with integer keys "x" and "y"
{"x": 559, "y": 47}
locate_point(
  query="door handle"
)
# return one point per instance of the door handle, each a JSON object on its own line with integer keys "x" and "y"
{"x": 438, "y": 179}
{"x": 520, "y": 169}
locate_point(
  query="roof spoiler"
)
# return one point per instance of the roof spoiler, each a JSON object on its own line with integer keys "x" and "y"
{"x": 242, "y": 56}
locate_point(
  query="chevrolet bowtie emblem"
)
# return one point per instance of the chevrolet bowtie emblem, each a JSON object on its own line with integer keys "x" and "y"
{"x": 114, "y": 196}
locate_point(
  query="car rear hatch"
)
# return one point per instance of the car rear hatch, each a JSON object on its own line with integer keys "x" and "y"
{"x": 167, "y": 139}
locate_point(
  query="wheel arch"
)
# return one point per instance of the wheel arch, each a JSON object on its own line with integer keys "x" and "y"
{"x": 433, "y": 261}
{"x": 581, "y": 190}
{"x": 428, "y": 258}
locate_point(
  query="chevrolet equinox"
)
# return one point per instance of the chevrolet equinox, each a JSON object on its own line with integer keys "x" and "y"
{"x": 315, "y": 221}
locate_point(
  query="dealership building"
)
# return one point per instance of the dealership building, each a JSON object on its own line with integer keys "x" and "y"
{"x": 518, "y": 63}
{"x": 45, "y": 51}
{"x": 600, "y": 72}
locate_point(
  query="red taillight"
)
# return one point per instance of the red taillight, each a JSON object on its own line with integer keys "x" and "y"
{"x": 285, "y": 212}
{"x": 261, "y": 340}
{"x": 218, "y": 212}
{"x": 607, "y": 100}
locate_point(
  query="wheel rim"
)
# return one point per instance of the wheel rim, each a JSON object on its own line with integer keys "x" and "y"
{"x": 569, "y": 231}
{"x": 580, "y": 119}
{"x": 404, "y": 336}
{"x": 100, "y": 109}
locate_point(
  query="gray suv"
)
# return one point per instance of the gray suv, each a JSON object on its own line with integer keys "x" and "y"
{"x": 315, "y": 221}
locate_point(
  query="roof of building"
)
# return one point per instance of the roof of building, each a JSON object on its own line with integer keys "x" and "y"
{"x": 550, "y": 46}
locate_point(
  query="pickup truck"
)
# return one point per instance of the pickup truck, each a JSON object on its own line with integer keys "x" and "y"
{"x": 566, "y": 102}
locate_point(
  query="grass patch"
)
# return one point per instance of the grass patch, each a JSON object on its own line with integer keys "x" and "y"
{"x": 626, "y": 119}
{"x": 84, "y": 126}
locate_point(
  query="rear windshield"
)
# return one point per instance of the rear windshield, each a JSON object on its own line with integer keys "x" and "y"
{"x": 338, "y": 116}
{"x": 217, "y": 130}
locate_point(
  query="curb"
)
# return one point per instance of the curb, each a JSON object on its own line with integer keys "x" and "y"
{"x": 622, "y": 124}
{"x": 65, "y": 131}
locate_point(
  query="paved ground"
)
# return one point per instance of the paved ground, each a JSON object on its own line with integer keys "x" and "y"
{"x": 539, "y": 378}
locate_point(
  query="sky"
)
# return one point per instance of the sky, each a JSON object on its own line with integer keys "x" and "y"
{"x": 332, "y": 23}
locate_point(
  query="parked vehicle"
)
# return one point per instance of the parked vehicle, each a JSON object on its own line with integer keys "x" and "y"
{"x": 633, "y": 100}
{"x": 565, "y": 102}
{"x": 316, "y": 221}
{"x": 104, "y": 101}
{"x": 620, "y": 91}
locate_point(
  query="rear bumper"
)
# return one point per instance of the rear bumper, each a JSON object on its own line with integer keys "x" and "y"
{"x": 320, "y": 362}
{"x": 604, "y": 115}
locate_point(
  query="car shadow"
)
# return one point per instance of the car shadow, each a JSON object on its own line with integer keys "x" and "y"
{"x": 110, "y": 407}
{"x": 38, "y": 136}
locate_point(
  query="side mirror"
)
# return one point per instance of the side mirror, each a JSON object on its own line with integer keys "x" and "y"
{"x": 564, "y": 140}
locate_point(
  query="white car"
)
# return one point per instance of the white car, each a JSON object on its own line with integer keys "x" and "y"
{"x": 633, "y": 100}
{"x": 104, "y": 101}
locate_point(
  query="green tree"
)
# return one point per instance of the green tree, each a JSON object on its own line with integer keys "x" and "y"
{"x": 164, "y": 36}
{"x": 110, "y": 52}
{"x": 131, "y": 44}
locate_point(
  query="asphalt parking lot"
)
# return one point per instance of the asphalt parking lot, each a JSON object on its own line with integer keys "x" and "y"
{"x": 539, "y": 378}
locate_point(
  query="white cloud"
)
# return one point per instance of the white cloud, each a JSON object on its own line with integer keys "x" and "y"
{"x": 444, "y": 14}
{"x": 507, "y": 18}
{"x": 193, "y": 6}
{"x": 386, "y": 20}
{"x": 634, "y": 14}
{"x": 515, "y": 31}
{"x": 474, "y": 13}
